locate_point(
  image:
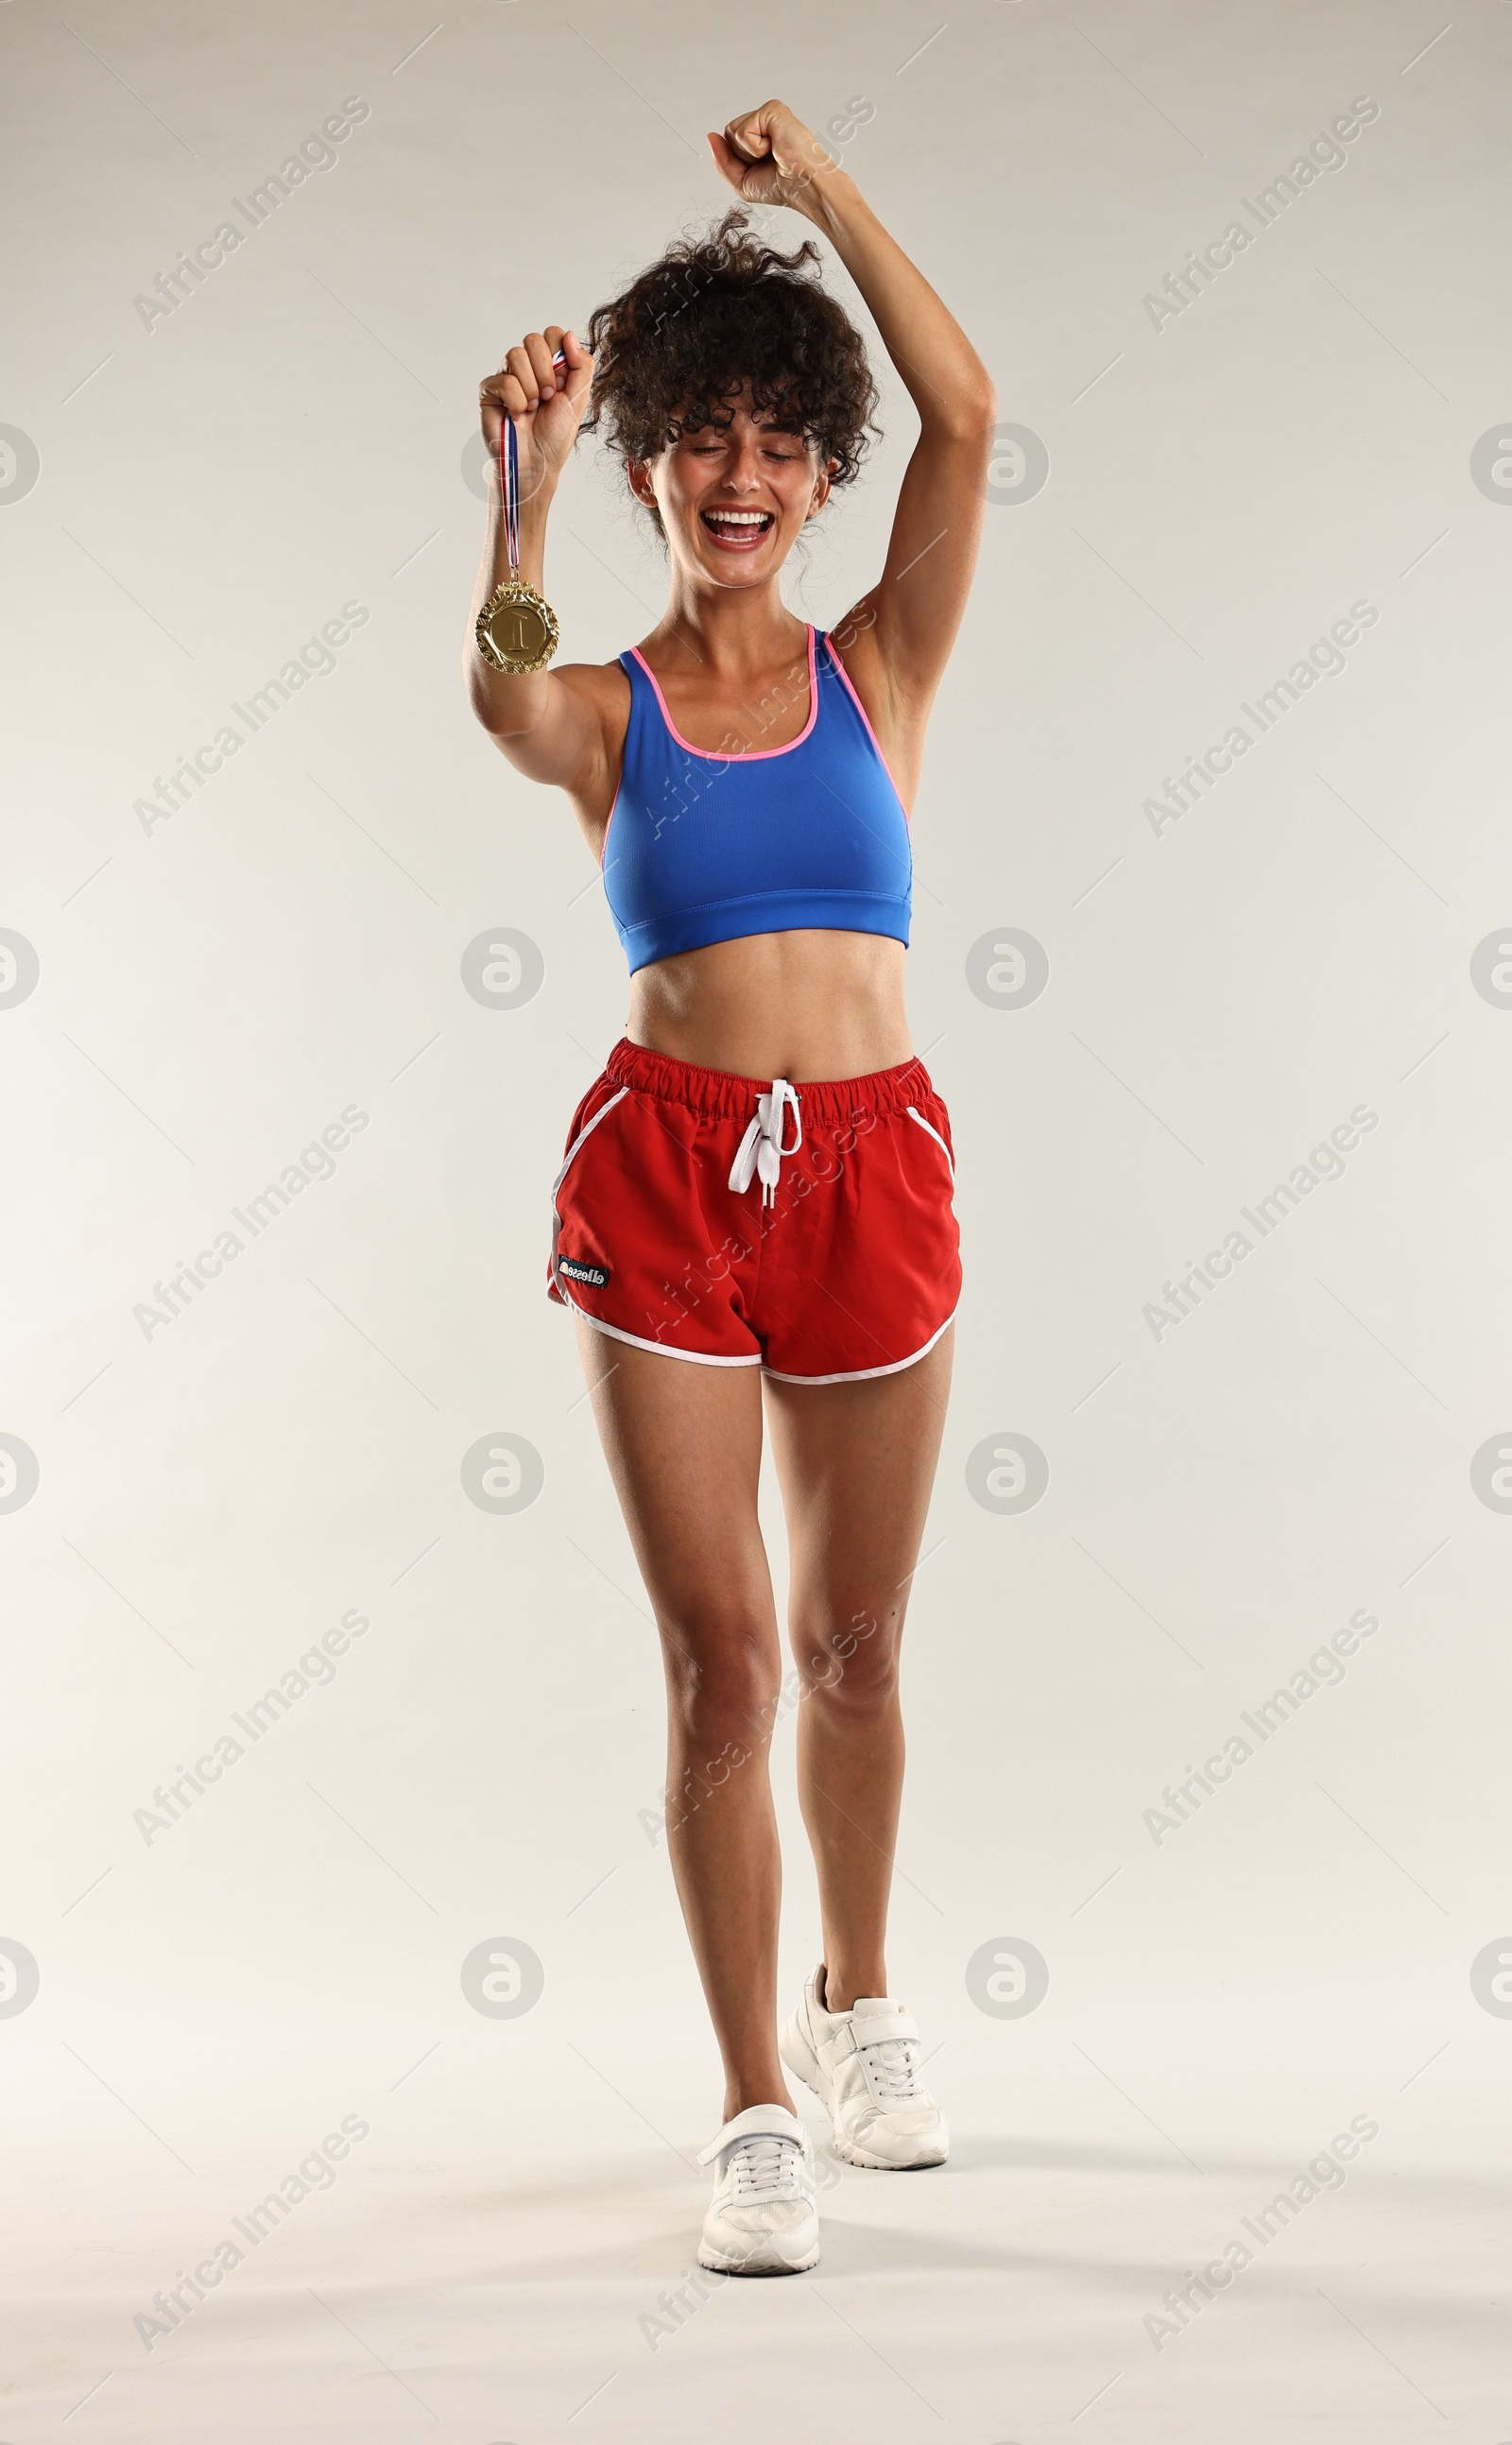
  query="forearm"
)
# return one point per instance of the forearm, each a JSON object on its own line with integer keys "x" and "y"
{"x": 917, "y": 327}
{"x": 504, "y": 704}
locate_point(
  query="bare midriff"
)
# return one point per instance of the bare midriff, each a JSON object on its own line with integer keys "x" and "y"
{"x": 808, "y": 1004}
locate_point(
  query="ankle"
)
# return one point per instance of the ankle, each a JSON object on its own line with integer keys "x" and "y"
{"x": 770, "y": 2090}
{"x": 839, "y": 1987}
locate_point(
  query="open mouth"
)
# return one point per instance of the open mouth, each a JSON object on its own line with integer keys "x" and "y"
{"x": 737, "y": 530}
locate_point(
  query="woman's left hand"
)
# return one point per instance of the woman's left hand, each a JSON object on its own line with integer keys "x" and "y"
{"x": 768, "y": 157}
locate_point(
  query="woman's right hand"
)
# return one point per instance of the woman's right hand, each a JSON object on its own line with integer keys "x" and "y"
{"x": 547, "y": 402}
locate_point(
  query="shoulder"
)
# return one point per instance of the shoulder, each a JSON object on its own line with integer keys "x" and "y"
{"x": 603, "y": 688}
{"x": 599, "y": 693}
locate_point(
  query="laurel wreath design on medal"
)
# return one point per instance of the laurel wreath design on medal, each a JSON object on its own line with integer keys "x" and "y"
{"x": 516, "y": 631}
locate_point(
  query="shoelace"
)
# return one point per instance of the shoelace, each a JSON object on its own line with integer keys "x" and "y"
{"x": 766, "y": 2168}
{"x": 892, "y": 2069}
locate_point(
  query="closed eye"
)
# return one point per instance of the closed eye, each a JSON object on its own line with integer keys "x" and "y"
{"x": 715, "y": 450}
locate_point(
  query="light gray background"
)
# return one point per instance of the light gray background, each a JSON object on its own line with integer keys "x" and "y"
{"x": 212, "y": 994}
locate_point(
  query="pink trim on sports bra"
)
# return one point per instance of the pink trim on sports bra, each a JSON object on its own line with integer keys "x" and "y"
{"x": 619, "y": 788}
{"x": 757, "y": 754}
{"x": 870, "y": 733}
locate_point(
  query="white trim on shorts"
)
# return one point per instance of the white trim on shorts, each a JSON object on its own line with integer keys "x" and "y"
{"x": 567, "y": 1163}
{"x": 608, "y": 1107}
{"x": 863, "y": 1374}
{"x": 662, "y": 1349}
{"x": 708, "y": 1358}
{"x": 915, "y": 1115}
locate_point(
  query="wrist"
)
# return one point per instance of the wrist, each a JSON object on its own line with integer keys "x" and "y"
{"x": 541, "y": 493}
{"x": 828, "y": 198}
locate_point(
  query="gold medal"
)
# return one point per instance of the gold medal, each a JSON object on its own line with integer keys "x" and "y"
{"x": 516, "y": 630}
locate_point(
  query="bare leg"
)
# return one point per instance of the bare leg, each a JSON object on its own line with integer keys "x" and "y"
{"x": 683, "y": 1443}
{"x": 856, "y": 1464}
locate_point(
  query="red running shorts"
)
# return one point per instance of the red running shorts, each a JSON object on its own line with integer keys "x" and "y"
{"x": 748, "y": 1222}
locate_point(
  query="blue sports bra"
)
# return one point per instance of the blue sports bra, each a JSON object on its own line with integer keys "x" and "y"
{"x": 702, "y": 847}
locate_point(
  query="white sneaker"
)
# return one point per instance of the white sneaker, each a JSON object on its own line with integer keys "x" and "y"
{"x": 762, "y": 2219}
{"x": 864, "y": 2065}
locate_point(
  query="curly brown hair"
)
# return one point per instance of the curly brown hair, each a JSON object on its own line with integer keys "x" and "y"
{"x": 716, "y": 312}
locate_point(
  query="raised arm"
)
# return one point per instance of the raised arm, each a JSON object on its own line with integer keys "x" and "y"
{"x": 548, "y": 723}
{"x": 900, "y": 633}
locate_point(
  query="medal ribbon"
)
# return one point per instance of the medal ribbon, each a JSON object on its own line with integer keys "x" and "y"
{"x": 509, "y": 474}
{"x": 509, "y": 469}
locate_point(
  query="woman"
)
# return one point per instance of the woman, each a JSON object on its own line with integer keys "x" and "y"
{"x": 761, "y": 1182}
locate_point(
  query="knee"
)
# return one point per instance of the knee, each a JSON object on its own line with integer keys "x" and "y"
{"x": 722, "y": 1673}
{"x": 848, "y": 1670}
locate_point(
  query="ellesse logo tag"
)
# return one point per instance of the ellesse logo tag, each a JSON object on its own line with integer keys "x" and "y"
{"x": 594, "y": 1275}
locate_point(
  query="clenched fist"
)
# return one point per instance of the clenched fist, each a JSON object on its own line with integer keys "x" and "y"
{"x": 547, "y": 402}
{"x": 768, "y": 157}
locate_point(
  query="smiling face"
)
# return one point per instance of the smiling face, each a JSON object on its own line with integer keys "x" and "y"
{"x": 734, "y": 497}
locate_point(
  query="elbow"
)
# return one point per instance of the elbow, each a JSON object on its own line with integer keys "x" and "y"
{"x": 972, "y": 410}
{"x": 490, "y": 715}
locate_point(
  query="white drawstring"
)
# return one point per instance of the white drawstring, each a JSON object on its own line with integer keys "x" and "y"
{"x": 761, "y": 1148}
